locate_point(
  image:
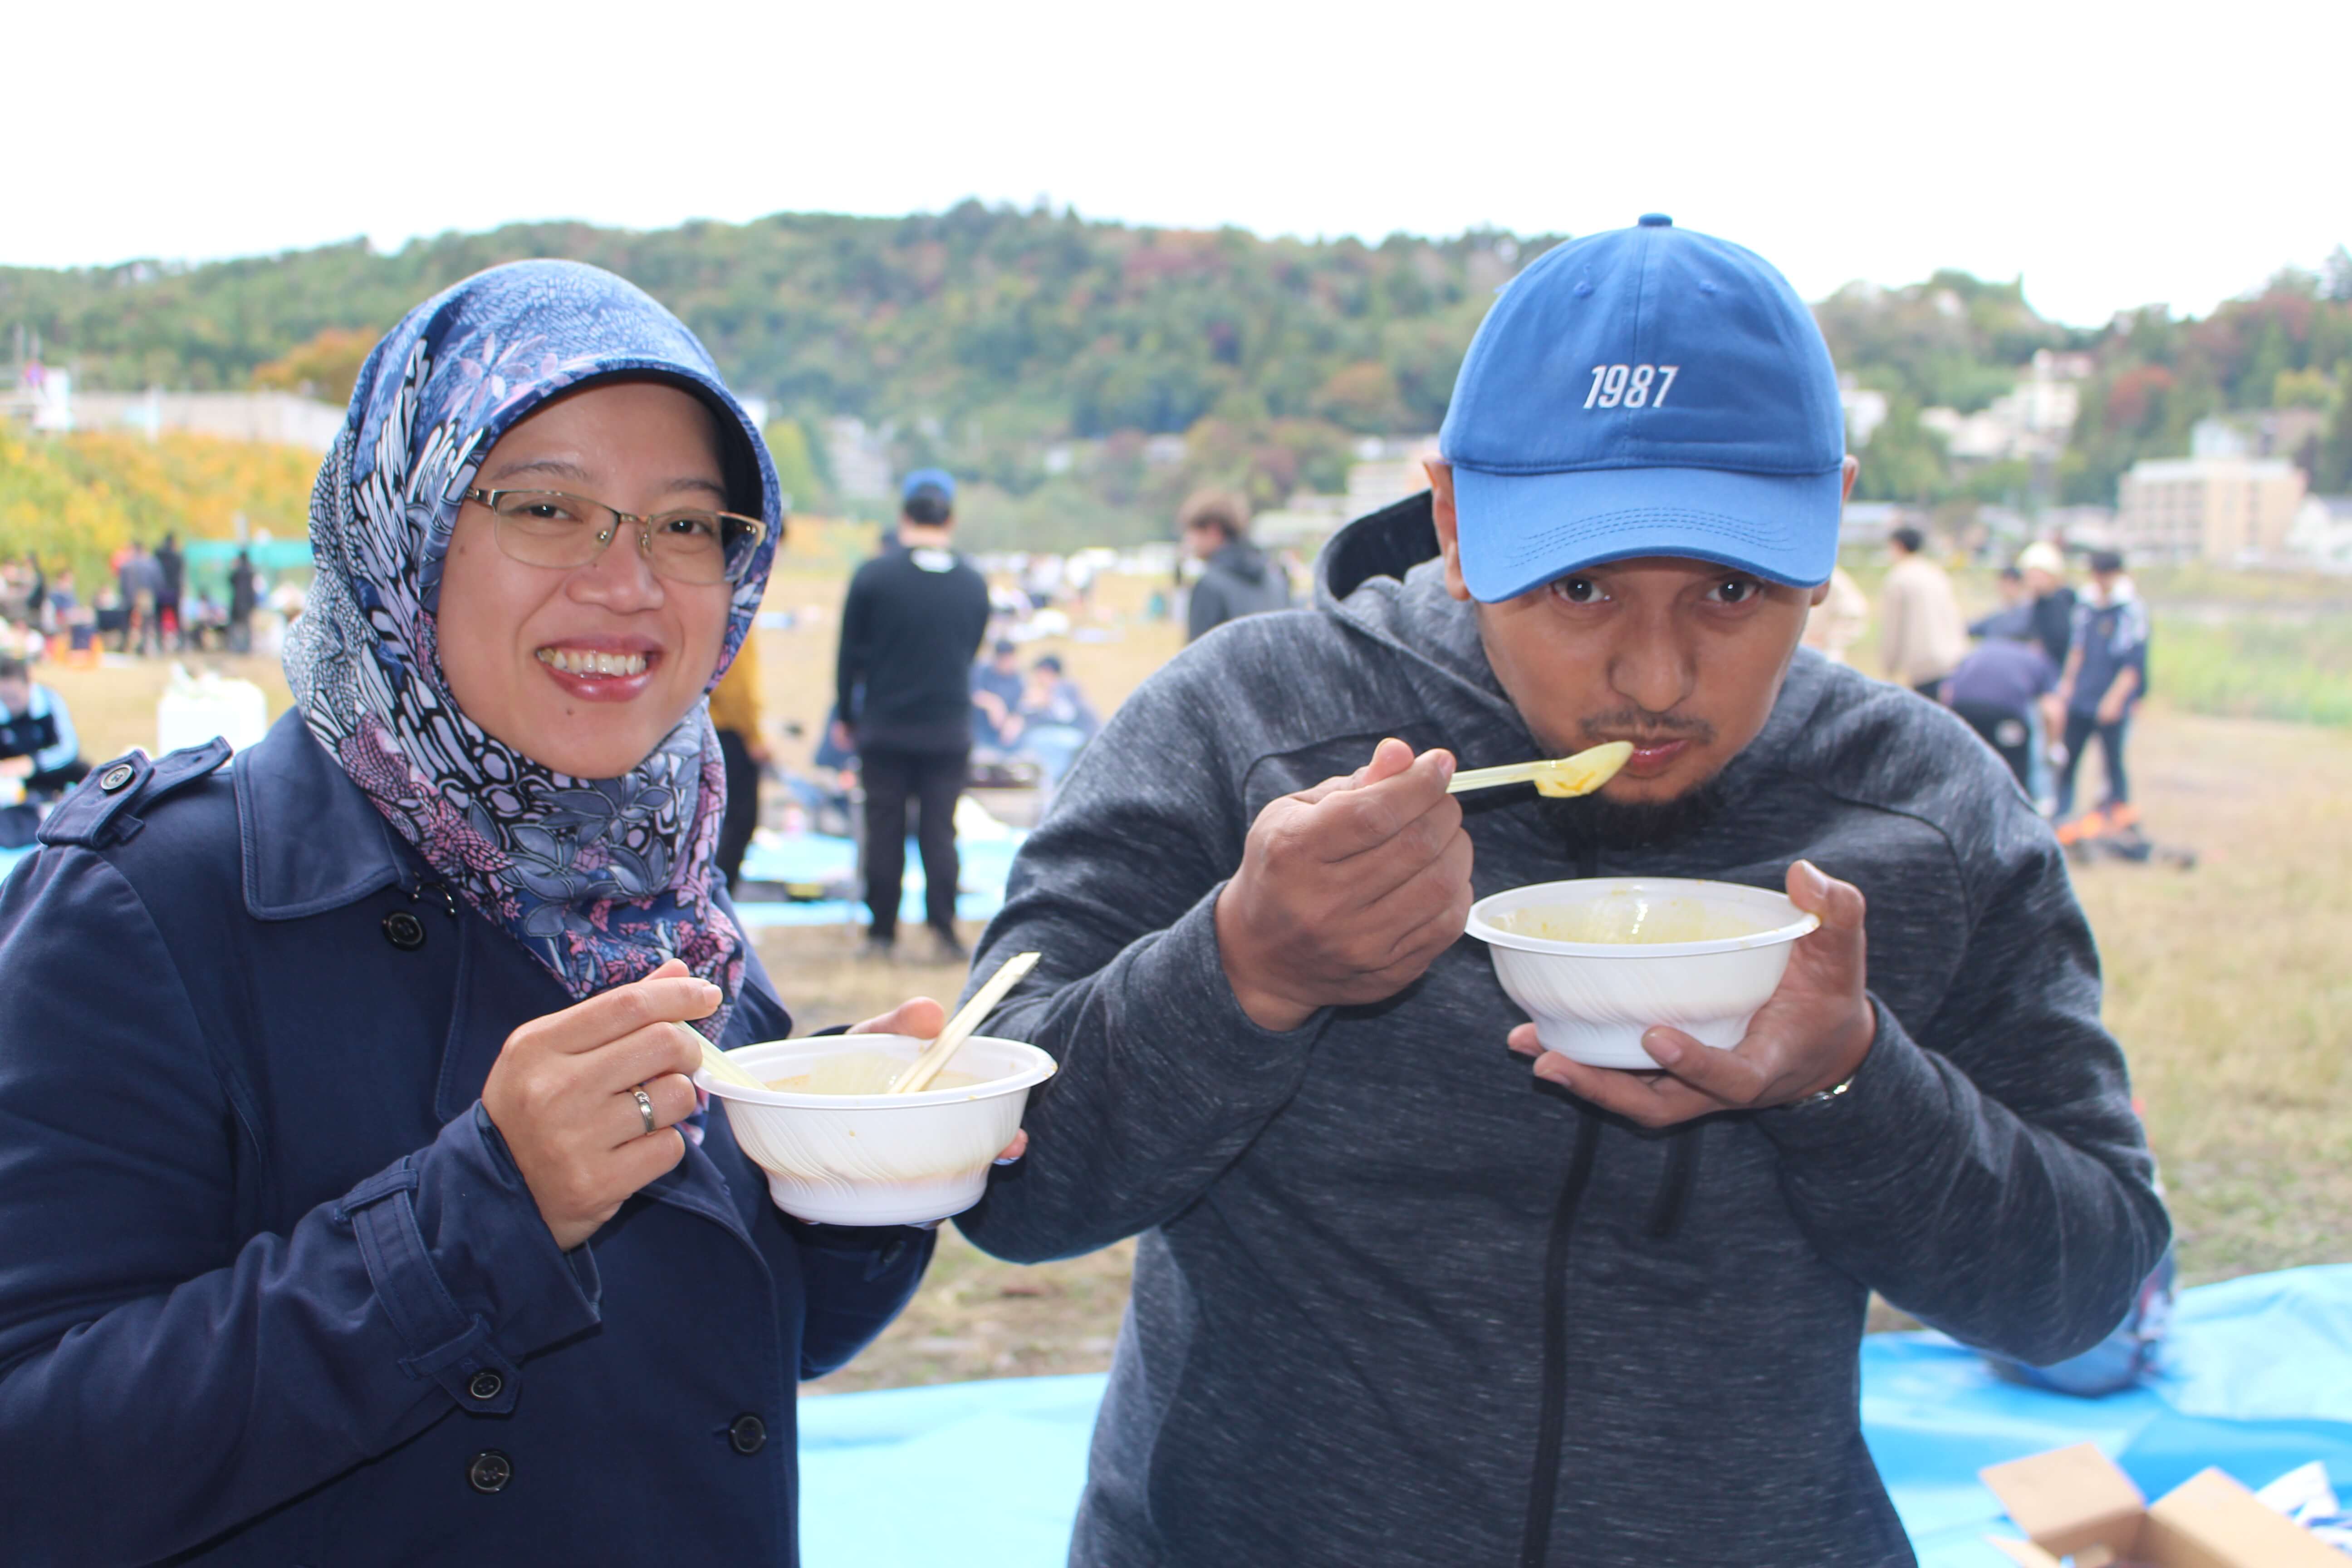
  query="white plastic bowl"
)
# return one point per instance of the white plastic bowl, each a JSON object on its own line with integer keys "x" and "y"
{"x": 878, "y": 1159}
{"x": 1592, "y": 1000}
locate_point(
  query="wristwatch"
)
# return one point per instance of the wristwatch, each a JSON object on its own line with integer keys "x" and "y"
{"x": 1825, "y": 1096}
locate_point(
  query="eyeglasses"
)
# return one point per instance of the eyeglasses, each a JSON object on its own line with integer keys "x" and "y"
{"x": 549, "y": 528}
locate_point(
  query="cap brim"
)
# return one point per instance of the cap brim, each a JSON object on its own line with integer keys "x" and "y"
{"x": 1520, "y": 530}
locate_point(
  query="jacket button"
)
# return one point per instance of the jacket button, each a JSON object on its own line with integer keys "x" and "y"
{"x": 404, "y": 930}
{"x": 486, "y": 1386}
{"x": 749, "y": 1434}
{"x": 490, "y": 1471}
{"x": 115, "y": 777}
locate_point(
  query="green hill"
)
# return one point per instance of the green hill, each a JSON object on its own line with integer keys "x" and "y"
{"x": 1038, "y": 351}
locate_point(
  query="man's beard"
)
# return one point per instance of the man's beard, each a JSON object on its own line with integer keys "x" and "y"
{"x": 1592, "y": 822}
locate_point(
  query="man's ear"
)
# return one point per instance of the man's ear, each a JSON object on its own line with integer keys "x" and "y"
{"x": 1821, "y": 590}
{"x": 1441, "y": 510}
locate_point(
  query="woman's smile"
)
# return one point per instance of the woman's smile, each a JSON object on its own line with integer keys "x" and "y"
{"x": 602, "y": 669}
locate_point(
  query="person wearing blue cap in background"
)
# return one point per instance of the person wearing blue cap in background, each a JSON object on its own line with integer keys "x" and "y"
{"x": 1397, "y": 1300}
{"x": 913, "y": 620}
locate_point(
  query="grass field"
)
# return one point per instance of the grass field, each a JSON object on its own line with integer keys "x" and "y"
{"x": 2227, "y": 985}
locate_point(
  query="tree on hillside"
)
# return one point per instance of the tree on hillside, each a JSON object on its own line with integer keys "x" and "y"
{"x": 2331, "y": 468}
{"x": 325, "y": 368}
{"x": 1904, "y": 461}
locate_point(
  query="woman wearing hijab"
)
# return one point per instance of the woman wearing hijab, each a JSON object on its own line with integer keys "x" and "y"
{"x": 355, "y": 1206}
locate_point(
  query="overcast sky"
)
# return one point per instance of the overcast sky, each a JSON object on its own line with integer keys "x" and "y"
{"x": 2114, "y": 156}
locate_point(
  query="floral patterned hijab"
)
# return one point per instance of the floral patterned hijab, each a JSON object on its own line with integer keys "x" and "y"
{"x": 603, "y": 881}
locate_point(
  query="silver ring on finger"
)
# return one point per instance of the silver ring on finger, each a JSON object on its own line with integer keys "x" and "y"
{"x": 645, "y": 1109}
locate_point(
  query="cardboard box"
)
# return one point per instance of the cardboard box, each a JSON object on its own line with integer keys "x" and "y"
{"x": 2074, "y": 1502}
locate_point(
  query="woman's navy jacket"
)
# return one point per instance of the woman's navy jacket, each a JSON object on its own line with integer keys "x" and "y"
{"x": 270, "y": 1288}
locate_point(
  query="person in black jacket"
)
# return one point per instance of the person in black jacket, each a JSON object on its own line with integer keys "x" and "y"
{"x": 1240, "y": 581}
{"x": 171, "y": 567}
{"x": 909, "y": 629}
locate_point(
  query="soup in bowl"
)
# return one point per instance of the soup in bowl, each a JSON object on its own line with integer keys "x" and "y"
{"x": 837, "y": 1150}
{"x": 1596, "y": 963}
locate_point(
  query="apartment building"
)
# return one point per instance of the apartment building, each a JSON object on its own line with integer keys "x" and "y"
{"x": 2218, "y": 509}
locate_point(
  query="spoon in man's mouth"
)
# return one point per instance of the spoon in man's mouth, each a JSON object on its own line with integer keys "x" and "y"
{"x": 1562, "y": 778}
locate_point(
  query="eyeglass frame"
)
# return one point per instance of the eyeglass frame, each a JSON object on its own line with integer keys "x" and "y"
{"x": 488, "y": 499}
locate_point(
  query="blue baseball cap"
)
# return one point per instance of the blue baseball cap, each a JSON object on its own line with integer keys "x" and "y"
{"x": 1649, "y": 390}
{"x": 939, "y": 479}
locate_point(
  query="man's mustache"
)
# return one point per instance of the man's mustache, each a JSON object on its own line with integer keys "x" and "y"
{"x": 1643, "y": 728}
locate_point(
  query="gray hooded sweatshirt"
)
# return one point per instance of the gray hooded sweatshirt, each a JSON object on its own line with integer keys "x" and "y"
{"x": 1240, "y": 579}
{"x": 1399, "y": 1302}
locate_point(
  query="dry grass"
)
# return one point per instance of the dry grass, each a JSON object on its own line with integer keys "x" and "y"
{"x": 2227, "y": 986}
{"x": 2227, "y": 983}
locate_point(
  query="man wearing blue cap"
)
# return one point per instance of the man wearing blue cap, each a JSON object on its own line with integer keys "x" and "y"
{"x": 1398, "y": 1301}
{"x": 910, "y": 626}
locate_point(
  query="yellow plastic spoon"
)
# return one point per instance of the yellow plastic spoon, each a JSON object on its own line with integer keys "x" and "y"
{"x": 1562, "y": 779}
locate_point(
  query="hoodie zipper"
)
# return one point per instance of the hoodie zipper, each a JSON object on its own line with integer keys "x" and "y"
{"x": 1551, "y": 1429}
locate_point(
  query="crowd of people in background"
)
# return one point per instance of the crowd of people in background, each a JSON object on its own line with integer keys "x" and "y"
{"x": 2042, "y": 678}
{"x": 150, "y": 605}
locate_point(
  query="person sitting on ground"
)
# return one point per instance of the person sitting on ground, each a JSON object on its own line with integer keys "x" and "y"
{"x": 2105, "y": 676}
{"x": 355, "y": 1205}
{"x": 996, "y": 693}
{"x": 1922, "y": 635}
{"x": 1398, "y": 1301}
{"x": 1059, "y": 720}
{"x": 38, "y": 743}
{"x": 1239, "y": 580}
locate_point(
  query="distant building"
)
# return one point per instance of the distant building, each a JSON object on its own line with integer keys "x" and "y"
{"x": 1303, "y": 523}
{"x": 2080, "y": 527}
{"x": 1387, "y": 469}
{"x": 2049, "y": 397}
{"x": 2031, "y": 420}
{"x": 1870, "y": 522}
{"x": 38, "y": 396}
{"x": 860, "y": 459}
{"x": 47, "y": 399}
{"x": 1865, "y": 411}
{"x": 2218, "y": 509}
{"x": 2267, "y": 433}
{"x": 282, "y": 418}
{"x": 1980, "y": 437}
{"x": 2321, "y": 535}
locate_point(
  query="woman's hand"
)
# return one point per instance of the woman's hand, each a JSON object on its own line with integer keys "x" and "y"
{"x": 563, "y": 1096}
{"x": 924, "y": 1018}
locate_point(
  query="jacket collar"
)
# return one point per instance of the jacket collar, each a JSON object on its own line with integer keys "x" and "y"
{"x": 311, "y": 841}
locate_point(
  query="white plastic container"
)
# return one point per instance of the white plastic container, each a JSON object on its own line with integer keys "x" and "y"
{"x": 192, "y": 710}
{"x": 1592, "y": 1000}
{"x": 878, "y": 1159}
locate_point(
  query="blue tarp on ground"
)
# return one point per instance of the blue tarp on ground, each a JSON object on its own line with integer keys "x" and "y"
{"x": 2261, "y": 1382}
{"x": 984, "y": 865}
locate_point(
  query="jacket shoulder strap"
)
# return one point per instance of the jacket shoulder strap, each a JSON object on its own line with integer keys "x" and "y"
{"x": 103, "y": 808}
